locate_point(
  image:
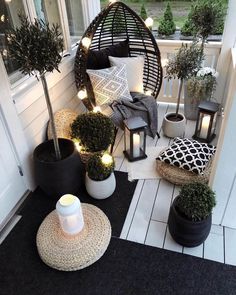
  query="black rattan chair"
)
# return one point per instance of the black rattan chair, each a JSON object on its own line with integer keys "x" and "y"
{"x": 114, "y": 24}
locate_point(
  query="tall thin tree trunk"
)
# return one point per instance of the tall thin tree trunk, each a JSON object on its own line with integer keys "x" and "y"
{"x": 51, "y": 117}
{"x": 178, "y": 98}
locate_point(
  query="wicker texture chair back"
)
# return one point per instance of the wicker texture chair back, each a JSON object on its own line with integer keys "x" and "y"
{"x": 113, "y": 24}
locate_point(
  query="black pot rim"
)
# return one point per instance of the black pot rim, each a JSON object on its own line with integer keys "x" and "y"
{"x": 186, "y": 220}
{"x": 48, "y": 142}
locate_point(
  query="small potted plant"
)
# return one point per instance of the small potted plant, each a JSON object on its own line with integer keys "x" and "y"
{"x": 37, "y": 49}
{"x": 198, "y": 88}
{"x": 94, "y": 132}
{"x": 182, "y": 65}
{"x": 190, "y": 214}
{"x": 100, "y": 180}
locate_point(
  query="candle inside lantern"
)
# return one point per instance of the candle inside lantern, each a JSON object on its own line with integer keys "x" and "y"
{"x": 205, "y": 126}
{"x": 136, "y": 145}
{"x": 70, "y": 214}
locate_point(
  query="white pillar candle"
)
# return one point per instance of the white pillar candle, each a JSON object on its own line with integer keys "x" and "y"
{"x": 205, "y": 125}
{"x": 70, "y": 214}
{"x": 136, "y": 145}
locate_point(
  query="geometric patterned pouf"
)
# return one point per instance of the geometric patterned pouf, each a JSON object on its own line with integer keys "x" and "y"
{"x": 70, "y": 253}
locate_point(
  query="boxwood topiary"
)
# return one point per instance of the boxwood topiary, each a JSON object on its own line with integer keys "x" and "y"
{"x": 97, "y": 170}
{"x": 195, "y": 201}
{"x": 94, "y": 131}
{"x": 167, "y": 26}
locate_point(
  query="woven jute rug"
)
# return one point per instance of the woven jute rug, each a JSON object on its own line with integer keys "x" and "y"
{"x": 70, "y": 253}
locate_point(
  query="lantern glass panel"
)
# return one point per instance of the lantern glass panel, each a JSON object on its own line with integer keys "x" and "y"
{"x": 204, "y": 125}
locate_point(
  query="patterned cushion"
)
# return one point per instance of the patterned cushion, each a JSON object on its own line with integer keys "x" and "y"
{"x": 188, "y": 154}
{"x": 134, "y": 67}
{"x": 109, "y": 84}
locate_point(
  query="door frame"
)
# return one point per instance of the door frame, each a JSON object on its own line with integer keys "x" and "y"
{"x": 14, "y": 128}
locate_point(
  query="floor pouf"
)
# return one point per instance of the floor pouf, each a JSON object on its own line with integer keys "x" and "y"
{"x": 70, "y": 253}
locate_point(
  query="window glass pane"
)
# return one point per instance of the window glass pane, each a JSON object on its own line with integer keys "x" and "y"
{"x": 48, "y": 11}
{"x": 9, "y": 11}
{"x": 75, "y": 18}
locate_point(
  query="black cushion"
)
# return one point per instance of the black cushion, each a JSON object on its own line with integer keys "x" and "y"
{"x": 98, "y": 59}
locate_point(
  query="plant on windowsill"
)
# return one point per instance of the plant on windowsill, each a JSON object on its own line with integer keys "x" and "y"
{"x": 100, "y": 180}
{"x": 184, "y": 64}
{"x": 190, "y": 214}
{"x": 37, "y": 49}
{"x": 94, "y": 133}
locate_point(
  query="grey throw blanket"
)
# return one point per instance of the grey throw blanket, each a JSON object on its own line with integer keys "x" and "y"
{"x": 143, "y": 106}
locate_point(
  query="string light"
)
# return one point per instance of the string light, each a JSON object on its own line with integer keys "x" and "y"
{"x": 82, "y": 94}
{"x": 96, "y": 109}
{"x": 86, "y": 42}
{"x": 3, "y": 18}
{"x": 149, "y": 22}
{"x": 107, "y": 159}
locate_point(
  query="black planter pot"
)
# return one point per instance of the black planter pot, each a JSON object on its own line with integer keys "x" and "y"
{"x": 185, "y": 232}
{"x": 56, "y": 178}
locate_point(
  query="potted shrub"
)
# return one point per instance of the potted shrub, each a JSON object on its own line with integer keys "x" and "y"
{"x": 189, "y": 219}
{"x": 100, "y": 180}
{"x": 94, "y": 133}
{"x": 182, "y": 65}
{"x": 167, "y": 26}
{"x": 37, "y": 49}
{"x": 198, "y": 88}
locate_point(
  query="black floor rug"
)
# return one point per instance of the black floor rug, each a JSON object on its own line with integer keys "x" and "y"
{"x": 126, "y": 268}
{"x": 39, "y": 205}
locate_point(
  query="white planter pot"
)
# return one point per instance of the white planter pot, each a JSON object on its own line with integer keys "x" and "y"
{"x": 100, "y": 189}
{"x": 173, "y": 128}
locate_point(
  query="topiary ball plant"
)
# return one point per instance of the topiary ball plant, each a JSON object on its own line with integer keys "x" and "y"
{"x": 94, "y": 131}
{"x": 196, "y": 201}
{"x": 99, "y": 168}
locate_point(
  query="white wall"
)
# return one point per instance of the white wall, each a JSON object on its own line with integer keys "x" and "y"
{"x": 224, "y": 167}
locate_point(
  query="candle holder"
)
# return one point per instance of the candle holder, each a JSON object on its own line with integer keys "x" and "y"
{"x": 135, "y": 139}
{"x": 206, "y": 121}
{"x": 70, "y": 214}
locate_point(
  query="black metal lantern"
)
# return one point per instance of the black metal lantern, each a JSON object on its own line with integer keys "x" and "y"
{"x": 206, "y": 121}
{"x": 135, "y": 139}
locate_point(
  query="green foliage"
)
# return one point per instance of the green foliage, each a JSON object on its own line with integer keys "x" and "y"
{"x": 143, "y": 12}
{"x": 207, "y": 16}
{"x": 94, "y": 131}
{"x": 35, "y": 46}
{"x": 200, "y": 88}
{"x": 196, "y": 201}
{"x": 186, "y": 62}
{"x": 97, "y": 170}
{"x": 167, "y": 25}
{"x": 188, "y": 29}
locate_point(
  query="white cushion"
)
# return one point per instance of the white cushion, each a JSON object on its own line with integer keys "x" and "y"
{"x": 110, "y": 84}
{"x": 134, "y": 67}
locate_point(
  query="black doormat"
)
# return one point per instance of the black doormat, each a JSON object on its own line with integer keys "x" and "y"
{"x": 38, "y": 205}
{"x": 126, "y": 268}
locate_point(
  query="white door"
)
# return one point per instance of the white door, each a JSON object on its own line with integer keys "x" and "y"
{"x": 12, "y": 186}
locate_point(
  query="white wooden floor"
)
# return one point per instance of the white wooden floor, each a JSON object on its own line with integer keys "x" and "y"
{"x": 146, "y": 221}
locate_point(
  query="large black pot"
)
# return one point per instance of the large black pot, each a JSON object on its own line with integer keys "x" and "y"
{"x": 56, "y": 178}
{"x": 186, "y": 232}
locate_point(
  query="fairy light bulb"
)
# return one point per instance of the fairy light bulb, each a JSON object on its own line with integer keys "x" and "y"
{"x": 107, "y": 159}
{"x": 149, "y": 22}
{"x": 82, "y": 94}
{"x": 96, "y": 109}
{"x": 86, "y": 42}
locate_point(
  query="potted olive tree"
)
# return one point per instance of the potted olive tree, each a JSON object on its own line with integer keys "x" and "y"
{"x": 182, "y": 65}
{"x": 37, "y": 48}
{"x": 190, "y": 214}
{"x": 100, "y": 180}
{"x": 94, "y": 132}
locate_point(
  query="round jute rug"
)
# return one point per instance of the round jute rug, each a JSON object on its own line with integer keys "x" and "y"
{"x": 70, "y": 253}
